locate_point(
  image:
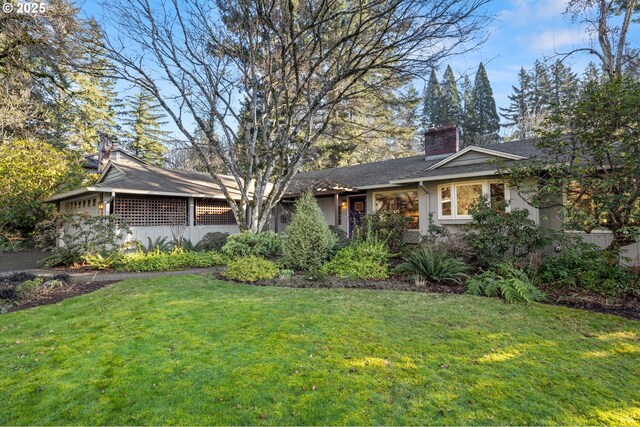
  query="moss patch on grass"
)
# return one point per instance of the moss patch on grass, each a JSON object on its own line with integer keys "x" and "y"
{"x": 194, "y": 350}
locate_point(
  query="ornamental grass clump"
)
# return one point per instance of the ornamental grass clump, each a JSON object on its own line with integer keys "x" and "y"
{"x": 309, "y": 240}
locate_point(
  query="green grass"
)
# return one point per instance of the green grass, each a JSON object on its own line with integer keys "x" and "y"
{"x": 192, "y": 350}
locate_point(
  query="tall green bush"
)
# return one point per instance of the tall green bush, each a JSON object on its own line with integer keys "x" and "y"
{"x": 497, "y": 235}
{"x": 309, "y": 241}
{"x": 383, "y": 226}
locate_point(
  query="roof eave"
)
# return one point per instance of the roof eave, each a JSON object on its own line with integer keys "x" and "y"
{"x": 443, "y": 177}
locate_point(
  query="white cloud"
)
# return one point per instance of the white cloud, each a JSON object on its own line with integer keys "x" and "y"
{"x": 549, "y": 41}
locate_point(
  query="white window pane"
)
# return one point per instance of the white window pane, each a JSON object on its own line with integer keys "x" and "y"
{"x": 496, "y": 193}
{"x": 405, "y": 202}
{"x": 445, "y": 200}
{"x": 467, "y": 196}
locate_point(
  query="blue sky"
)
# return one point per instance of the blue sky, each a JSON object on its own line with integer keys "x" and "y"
{"x": 521, "y": 32}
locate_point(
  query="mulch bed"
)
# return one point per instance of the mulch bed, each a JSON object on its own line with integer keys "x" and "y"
{"x": 628, "y": 307}
{"x": 59, "y": 293}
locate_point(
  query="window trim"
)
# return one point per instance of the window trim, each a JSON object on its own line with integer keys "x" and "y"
{"x": 454, "y": 196}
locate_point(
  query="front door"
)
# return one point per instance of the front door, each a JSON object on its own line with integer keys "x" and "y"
{"x": 357, "y": 209}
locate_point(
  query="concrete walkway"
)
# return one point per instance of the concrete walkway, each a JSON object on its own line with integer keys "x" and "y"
{"x": 108, "y": 276}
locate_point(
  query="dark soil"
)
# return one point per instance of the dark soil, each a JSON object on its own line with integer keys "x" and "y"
{"x": 629, "y": 306}
{"x": 53, "y": 295}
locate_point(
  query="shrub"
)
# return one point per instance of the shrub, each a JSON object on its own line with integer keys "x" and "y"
{"x": 21, "y": 286}
{"x": 161, "y": 261}
{"x": 385, "y": 226}
{"x": 251, "y": 269}
{"x": 582, "y": 266}
{"x": 80, "y": 235}
{"x": 212, "y": 241}
{"x": 103, "y": 262}
{"x": 309, "y": 241}
{"x": 361, "y": 260}
{"x": 507, "y": 282}
{"x": 342, "y": 239}
{"x": 498, "y": 236}
{"x": 266, "y": 244}
{"x": 160, "y": 244}
{"x": 427, "y": 264}
{"x": 27, "y": 289}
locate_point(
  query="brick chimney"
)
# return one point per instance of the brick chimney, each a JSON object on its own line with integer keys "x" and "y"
{"x": 441, "y": 141}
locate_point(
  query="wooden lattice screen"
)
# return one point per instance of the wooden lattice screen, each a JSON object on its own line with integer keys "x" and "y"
{"x": 143, "y": 211}
{"x": 213, "y": 212}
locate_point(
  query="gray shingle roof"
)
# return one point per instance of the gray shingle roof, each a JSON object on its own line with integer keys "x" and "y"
{"x": 381, "y": 173}
{"x": 147, "y": 178}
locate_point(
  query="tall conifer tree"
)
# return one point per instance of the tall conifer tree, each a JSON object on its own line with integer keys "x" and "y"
{"x": 450, "y": 104}
{"x": 483, "y": 120}
{"x": 431, "y": 102}
{"x": 144, "y": 121}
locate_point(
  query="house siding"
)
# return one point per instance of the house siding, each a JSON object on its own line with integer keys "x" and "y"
{"x": 470, "y": 158}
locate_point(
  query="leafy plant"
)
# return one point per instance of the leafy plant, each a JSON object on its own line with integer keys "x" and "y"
{"x": 213, "y": 241}
{"x": 27, "y": 289}
{"x": 103, "y": 262}
{"x": 251, "y": 269}
{"x": 165, "y": 261}
{"x": 309, "y": 241}
{"x": 384, "y": 226}
{"x": 80, "y": 234}
{"x": 266, "y": 244}
{"x": 160, "y": 244}
{"x": 498, "y": 236}
{"x": 427, "y": 264}
{"x": 361, "y": 260}
{"x": 582, "y": 266}
{"x": 507, "y": 282}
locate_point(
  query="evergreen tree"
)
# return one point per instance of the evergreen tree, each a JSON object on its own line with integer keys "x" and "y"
{"x": 592, "y": 74}
{"x": 465, "y": 122}
{"x": 450, "y": 107}
{"x": 483, "y": 120}
{"x": 517, "y": 113}
{"x": 145, "y": 137}
{"x": 431, "y": 102}
{"x": 563, "y": 85}
{"x": 540, "y": 89}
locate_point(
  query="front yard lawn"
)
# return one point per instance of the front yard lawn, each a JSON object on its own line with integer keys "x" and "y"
{"x": 194, "y": 350}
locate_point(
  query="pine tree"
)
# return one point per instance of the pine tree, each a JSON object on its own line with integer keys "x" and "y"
{"x": 431, "y": 102}
{"x": 517, "y": 113}
{"x": 592, "y": 74}
{"x": 450, "y": 107}
{"x": 483, "y": 120}
{"x": 540, "y": 89}
{"x": 145, "y": 137}
{"x": 563, "y": 85}
{"x": 465, "y": 122}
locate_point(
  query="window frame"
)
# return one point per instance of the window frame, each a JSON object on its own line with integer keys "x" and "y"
{"x": 486, "y": 186}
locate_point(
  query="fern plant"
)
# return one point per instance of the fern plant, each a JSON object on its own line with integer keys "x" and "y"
{"x": 425, "y": 264}
{"x": 507, "y": 282}
{"x": 160, "y": 244}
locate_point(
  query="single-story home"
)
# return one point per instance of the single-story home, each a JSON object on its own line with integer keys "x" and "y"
{"x": 439, "y": 185}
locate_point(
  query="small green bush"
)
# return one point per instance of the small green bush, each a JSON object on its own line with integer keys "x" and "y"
{"x": 360, "y": 260}
{"x": 266, "y": 244}
{"x": 212, "y": 242}
{"x": 584, "y": 267}
{"x": 251, "y": 269}
{"x": 161, "y": 261}
{"x": 498, "y": 236}
{"x": 309, "y": 241}
{"x": 507, "y": 282}
{"x": 427, "y": 264}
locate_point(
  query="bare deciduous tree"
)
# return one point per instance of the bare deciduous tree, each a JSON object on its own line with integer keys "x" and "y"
{"x": 612, "y": 49}
{"x": 289, "y": 63}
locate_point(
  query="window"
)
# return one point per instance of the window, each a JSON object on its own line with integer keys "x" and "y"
{"x": 405, "y": 202}
{"x": 456, "y": 200}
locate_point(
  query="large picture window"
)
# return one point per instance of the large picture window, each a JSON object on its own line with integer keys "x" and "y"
{"x": 405, "y": 202}
{"x": 456, "y": 200}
